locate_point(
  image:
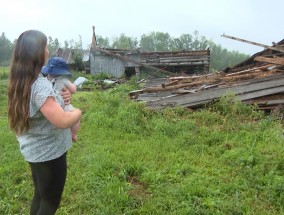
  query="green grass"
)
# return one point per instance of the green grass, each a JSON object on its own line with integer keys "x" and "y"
{"x": 4, "y": 73}
{"x": 224, "y": 159}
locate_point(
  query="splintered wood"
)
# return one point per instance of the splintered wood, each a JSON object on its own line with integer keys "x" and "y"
{"x": 256, "y": 85}
{"x": 258, "y": 80}
{"x": 275, "y": 60}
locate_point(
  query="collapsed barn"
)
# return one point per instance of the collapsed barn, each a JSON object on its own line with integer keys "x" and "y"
{"x": 258, "y": 80}
{"x": 129, "y": 62}
{"x": 119, "y": 62}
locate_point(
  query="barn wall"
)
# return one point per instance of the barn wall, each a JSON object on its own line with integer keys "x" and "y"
{"x": 115, "y": 61}
{"x": 107, "y": 64}
{"x": 134, "y": 57}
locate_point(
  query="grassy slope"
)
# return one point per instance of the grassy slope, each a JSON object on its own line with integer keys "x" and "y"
{"x": 128, "y": 160}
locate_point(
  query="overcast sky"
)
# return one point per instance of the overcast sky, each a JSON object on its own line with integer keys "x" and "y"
{"x": 254, "y": 20}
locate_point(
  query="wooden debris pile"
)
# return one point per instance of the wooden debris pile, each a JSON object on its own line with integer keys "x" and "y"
{"x": 258, "y": 80}
{"x": 263, "y": 85}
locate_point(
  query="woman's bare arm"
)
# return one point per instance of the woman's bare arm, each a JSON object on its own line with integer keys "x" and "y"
{"x": 57, "y": 116}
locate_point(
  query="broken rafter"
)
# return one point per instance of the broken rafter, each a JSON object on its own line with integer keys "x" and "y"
{"x": 275, "y": 60}
{"x": 187, "y": 79}
{"x": 172, "y": 83}
{"x": 275, "y": 48}
{"x": 169, "y": 88}
{"x": 265, "y": 67}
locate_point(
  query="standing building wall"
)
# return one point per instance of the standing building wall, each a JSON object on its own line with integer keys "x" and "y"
{"x": 118, "y": 62}
{"x": 106, "y": 64}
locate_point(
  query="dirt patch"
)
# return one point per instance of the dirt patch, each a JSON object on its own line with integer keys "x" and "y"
{"x": 139, "y": 189}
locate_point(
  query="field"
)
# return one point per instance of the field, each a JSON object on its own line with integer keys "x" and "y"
{"x": 223, "y": 159}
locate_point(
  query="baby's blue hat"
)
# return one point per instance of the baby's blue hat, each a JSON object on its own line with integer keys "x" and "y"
{"x": 56, "y": 66}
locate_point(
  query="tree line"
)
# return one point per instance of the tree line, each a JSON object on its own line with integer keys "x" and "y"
{"x": 220, "y": 57}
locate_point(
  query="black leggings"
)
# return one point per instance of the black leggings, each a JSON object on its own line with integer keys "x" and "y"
{"x": 49, "y": 179}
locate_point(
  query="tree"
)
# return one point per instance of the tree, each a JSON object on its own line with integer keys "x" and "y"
{"x": 66, "y": 44}
{"x": 163, "y": 41}
{"x": 77, "y": 53}
{"x": 156, "y": 41}
{"x": 6, "y": 48}
{"x": 221, "y": 58}
{"x": 186, "y": 40}
{"x": 53, "y": 45}
{"x": 199, "y": 42}
{"x": 183, "y": 42}
{"x": 102, "y": 42}
{"x": 124, "y": 42}
{"x": 176, "y": 44}
{"x": 147, "y": 42}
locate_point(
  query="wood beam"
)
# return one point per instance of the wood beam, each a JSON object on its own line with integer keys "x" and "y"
{"x": 275, "y": 60}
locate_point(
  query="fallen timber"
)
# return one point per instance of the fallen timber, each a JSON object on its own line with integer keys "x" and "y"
{"x": 258, "y": 80}
{"x": 196, "y": 91}
{"x": 275, "y": 47}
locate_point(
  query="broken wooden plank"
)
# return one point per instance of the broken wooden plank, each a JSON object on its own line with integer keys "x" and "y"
{"x": 250, "y": 77}
{"x": 151, "y": 82}
{"x": 184, "y": 91}
{"x": 202, "y": 97}
{"x": 186, "y": 79}
{"x": 175, "y": 53}
{"x": 172, "y": 83}
{"x": 249, "y": 70}
{"x": 135, "y": 93}
{"x": 260, "y": 93}
{"x": 169, "y": 88}
{"x": 154, "y": 96}
{"x": 274, "y": 60}
{"x": 278, "y": 48}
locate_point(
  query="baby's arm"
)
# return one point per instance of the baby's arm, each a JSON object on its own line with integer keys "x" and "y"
{"x": 71, "y": 87}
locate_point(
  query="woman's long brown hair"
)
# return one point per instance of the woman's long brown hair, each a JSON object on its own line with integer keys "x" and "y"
{"x": 28, "y": 59}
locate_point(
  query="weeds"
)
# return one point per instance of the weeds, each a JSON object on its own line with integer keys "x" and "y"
{"x": 4, "y": 72}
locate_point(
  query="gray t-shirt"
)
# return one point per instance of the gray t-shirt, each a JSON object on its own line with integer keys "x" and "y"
{"x": 59, "y": 82}
{"x": 43, "y": 141}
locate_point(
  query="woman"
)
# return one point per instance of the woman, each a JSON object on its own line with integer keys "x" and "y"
{"x": 36, "y": 115}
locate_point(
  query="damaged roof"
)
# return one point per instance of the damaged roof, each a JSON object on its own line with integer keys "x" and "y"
{"x": 258, "y": 80}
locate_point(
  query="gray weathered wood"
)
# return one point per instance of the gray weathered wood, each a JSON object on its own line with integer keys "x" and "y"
{"x": 130, "y": 60}
{"x": 206, "y": 96}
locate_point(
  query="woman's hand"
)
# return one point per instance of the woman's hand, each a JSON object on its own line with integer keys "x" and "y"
{"x": 66, "y": 95}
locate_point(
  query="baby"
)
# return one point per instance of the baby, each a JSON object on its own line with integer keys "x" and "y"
{"x": 57, "y": 72}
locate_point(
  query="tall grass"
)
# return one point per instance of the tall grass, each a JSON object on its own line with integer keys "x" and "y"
{"x": 224, "y": 159}
{"x": 4, "y": 71}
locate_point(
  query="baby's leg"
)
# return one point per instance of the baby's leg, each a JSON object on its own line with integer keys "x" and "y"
{"x": 74, "y": 130}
